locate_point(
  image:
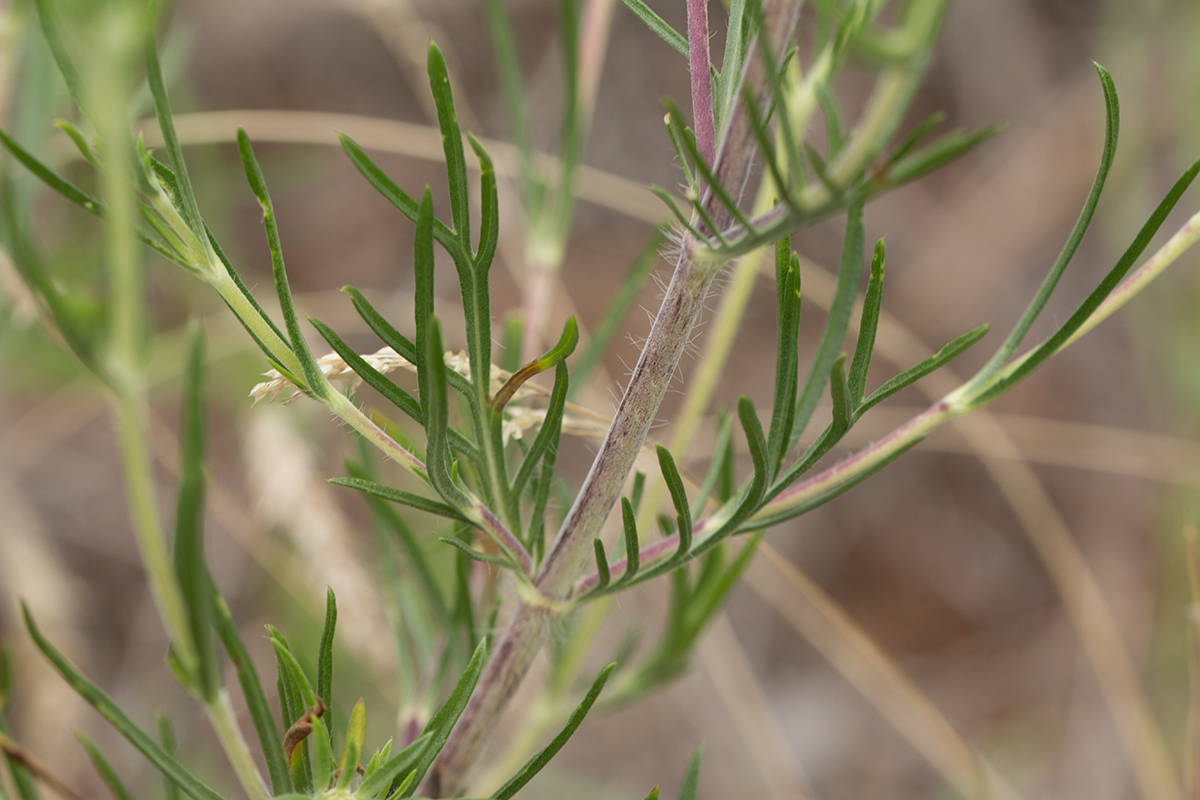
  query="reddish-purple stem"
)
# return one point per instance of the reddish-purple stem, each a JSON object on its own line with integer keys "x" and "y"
{"x": 702, "y": 104}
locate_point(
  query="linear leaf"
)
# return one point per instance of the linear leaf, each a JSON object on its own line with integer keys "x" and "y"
{"x": 400, "y": 496}
{"x": 378, "y": 782}
{"x": 535, "y": 764}
{"x": 313, "y": 377}
{"x": 632, "y": 546}
{"x": 1112, "y": 125}
{"x": 548, "y": 432}
{"x": 489, "y": 217}
{"x": 867, "y": 326}
{"x": 452, "y": 146}
{"x": 47, "y": 176}
{"x": 787, "y": 353}
{"x": 190, "y": 568}
{"x": 848, "y": 279}
{"x": 657, "y": 24}
{"x": 478, "y": 555}
{"x": 437, "y": 453}
{"x": 166, "y": 123}
{"x": 153, "y": 752}
{"x": 371, "y": 376}
{"x": 325, "y": 653}
{"x": 442, "y": 722}
{"x": 691, "y": 778}
{"x": 104, "y": 767}
{"x": 683, "y": 513}
{"x": 1102, "y": 290}
{"x": 914, "y": 373}
{"x": 256, "y": 699}
{"x": 322, "y": 755}
{"x": 601, "y": 565}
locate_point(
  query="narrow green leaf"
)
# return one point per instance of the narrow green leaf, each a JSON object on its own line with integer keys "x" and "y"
{"x": 104, "y": 767}
{"x": 394, "y": 194}
{"x": 601, "y": 565}
{"x": 1102, "y": 290}
{"x": 683, "y": 512}
{"x": 47, "y": 176}
{"x": 766, "y": 148}
{"x": 934, "y": 156}
{"x": 166, "y": 123}
{"x": 604, "y": 331}
{"x": 632, "y": 546}
{"x": 657, "y": 24}
{"x": 442, "y": 722}
{"x": 489, "y": 217}
{"x": 190, "y": 568}
{"x": 867, "y": 326}
{"x": 356, "y": 732}
{"x": 290, "y": 667}
{"x": 834, "y": 131}
{"x": 400, "y": 496}
{"x": 398, "y": 341}
{"x": 478, "y": 555}
{"x": 722, "y": 448}
{"x": 636, "y": 491}
{"x": 452, "y": 146}
{"x": 914, "y": 373}
{"x": 737, "y": 39}
{"x": 60, "y": 49}
{"x": 653, "y": 794}
{"x": 1112, "y": 124}
{"x": 153, "y": 752}
{"x": 848, "y": 279}
{"x": 396, "y": 525}
{"x": 728, "y": 201}
{"x": 325, "y": 653}
{"x": 787, "y": 352}
{"x": 549, "y": 431}
{"x": 322, "y": 755}
{"x": 423, "y": 294}
{"x": 913, "y": 139}
{"x": 437, "y": 454}
{"x": 256, "y": 699}
{"x": 757, "y": 444}
{"x": 376, "y": 784}
{"x": 313, "y": 378}
{"x": 839, "y": 391}
{"x": 691, "y": 778}
{"x": 371, "y": 376}
{"x": 81, "y": 143}
{"x": 535, "y": 764}
{"x": 166, "y": 737}
{"x": 677, "y": 134}
{"x": 685, "y": 221}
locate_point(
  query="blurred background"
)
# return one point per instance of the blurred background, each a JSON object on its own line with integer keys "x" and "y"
{"x": 951, "y": 561}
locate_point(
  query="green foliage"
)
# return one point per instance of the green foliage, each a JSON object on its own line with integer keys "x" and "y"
{"x": 486, "y": 494}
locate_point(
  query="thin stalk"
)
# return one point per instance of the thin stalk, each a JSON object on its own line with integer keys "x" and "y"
{"x": 698, "y": 62}
{"x": 122, "y": 369}
{"x": 224, "y": 722}
{"x": 130, "y": 413}
{"x": 547, "y": 234}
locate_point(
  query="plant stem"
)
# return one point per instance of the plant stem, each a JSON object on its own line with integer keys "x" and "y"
{"x": 224, "y": 722}
{"x": 698, "y": 61}
{"x": 130, "y": 413}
